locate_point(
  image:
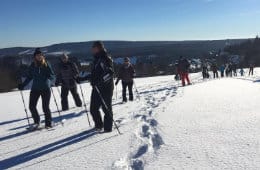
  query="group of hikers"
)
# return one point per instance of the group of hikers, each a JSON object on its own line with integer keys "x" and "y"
{"x": 67, "y": 76}
{"x": 183, "y": 65}
{"x": 101, "y": 79}
{"x": 227, "y": 70}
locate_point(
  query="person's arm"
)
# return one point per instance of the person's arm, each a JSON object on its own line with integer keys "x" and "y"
{"x": 27, "y": 80}
{"x": 29, "y": 77}
{"x": 108, "y": 66}
{"x": 133, "y": 71}
{"x": 75, "y": 70}
{"x": 51, "y": 75}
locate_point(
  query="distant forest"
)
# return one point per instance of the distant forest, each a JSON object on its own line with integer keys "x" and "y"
{"x": 248, "y": 50}
{"x": 153, "y": 58}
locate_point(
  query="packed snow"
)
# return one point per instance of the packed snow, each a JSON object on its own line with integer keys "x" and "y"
{"x": 212, "y": 124}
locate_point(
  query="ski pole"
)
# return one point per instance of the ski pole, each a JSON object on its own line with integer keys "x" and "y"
{"x": 138, "y": 94}
{"x": 25, "y": 109}
{"x": 83, "y": 98}
{"x": 57, "y": 106}
{"x": 116, "y": 92}
{"x": 106, "y": 107}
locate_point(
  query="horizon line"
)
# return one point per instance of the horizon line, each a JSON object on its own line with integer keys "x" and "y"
{"x": 223, "y": 39}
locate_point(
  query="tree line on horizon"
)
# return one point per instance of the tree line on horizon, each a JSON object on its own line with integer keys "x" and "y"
{"x": 13, "y": 67}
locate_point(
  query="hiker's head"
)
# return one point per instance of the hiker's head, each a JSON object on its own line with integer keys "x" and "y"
{"x": 65, "y": 58}
{"x": 126, "y": 60}
{"x": 97, "y": 47}
{"x": 39, "y": 57}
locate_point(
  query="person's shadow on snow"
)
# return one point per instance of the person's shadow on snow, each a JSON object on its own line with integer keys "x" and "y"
{"x": 36, "y": 153}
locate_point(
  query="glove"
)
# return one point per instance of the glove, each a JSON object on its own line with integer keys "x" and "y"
{"x": 57, "y": 84}
{"x": 20, "y": 86}
{"x": 116, "y": 82}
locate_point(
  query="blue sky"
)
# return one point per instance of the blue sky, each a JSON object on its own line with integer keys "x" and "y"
{"x": 43, "y": 22}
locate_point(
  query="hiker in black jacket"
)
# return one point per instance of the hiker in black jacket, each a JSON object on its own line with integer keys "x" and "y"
{"x": 101, "y": 77}
{"x": 67, "y": 76}
{"x": 42, "y": 74}
{"x": 126, "y": 74}
{"x": 214, "y": 68}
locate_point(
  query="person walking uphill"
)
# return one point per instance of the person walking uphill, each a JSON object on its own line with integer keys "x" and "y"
{"x": 42, "y": 74}
{"x": 214, "y": 68}
{"x": 67, "y": 76}
{"x": 183, "y": 67}
{"x": 101, "y": 79}
{"x": 251, "y": 69}
{"x": 126, "y": 74}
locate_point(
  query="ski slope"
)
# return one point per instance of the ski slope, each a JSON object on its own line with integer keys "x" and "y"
{"x": 213, "y": 124}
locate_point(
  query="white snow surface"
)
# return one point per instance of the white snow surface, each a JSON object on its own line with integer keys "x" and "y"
{"x": 212, "y": 124}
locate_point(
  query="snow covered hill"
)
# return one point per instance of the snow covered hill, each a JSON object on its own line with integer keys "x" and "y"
{"x": 213, "y": 124}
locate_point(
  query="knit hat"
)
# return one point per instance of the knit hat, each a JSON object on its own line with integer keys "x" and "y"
{"x": 98, "y": 44}
{"x": 126, "y": 59}
{"x": 37, "y": 51}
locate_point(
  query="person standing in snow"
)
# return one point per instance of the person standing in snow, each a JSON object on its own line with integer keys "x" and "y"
{"x": 183, "y": 68}
{"x": 67, "y": 76}
{"x": 42, "y": 74}
{"x": 229, "y": 70}
{"x": 234, "y": 69}
{"x": 251, "y": 69}
{"x": 101, "y": 77}
{"x": 242, "y": 71}
{"x": 205, "y": 71}
{"x": 214, "y": 70}
{"x": 126, "y": 74}
{"x": 222, "y": 70}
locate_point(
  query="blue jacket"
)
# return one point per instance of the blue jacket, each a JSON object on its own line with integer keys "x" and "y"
{"x": 41, "y": 76}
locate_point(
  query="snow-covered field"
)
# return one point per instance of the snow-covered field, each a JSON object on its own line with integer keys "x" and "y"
{"x": 213, "y": 124}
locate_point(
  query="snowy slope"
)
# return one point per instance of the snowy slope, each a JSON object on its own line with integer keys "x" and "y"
{"x": 210, "y": 125}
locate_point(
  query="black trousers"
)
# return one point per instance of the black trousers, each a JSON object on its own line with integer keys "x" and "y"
{"x": 215, "y": 74}
{"x": 34, "y": 97}
{"x": 64, "y": 97}
{"x": 128, "y": 85}
{"x": 251, "y": 71}
{"x": 222, "y": 73}
{"x": 205, "y": 75}
{"x": 96, "y": 104}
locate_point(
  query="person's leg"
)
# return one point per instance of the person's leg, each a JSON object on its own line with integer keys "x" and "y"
{"x": 46, "y": 96}
{"x": 187, "y": 78}
{"x": 75, "y": 95}
{"x": 183, "y": 79}
{"x": 34, "y": 97}
{"x": 64, "y": 98}
{"x": 124, "y": 85}
{"x": 108, "y": 118}
{"x": 130, "y": 90}
{"x": 95, "y": 104}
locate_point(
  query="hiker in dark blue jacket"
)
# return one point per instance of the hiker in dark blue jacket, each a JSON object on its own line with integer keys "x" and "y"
{"x": 42, "y": 74}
